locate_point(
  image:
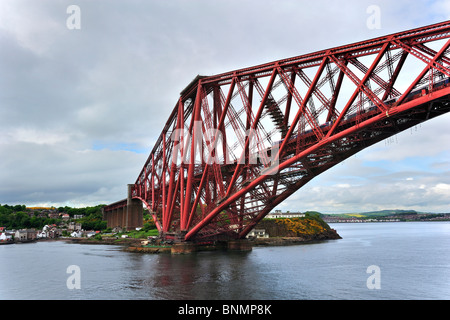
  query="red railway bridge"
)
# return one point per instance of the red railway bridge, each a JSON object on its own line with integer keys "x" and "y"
{"x": 239, "y": 143}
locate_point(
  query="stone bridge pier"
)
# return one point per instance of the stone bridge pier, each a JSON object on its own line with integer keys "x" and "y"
{"x": 126, "y": 214}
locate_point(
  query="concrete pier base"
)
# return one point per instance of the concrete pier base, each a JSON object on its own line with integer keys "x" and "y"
{"x": 239, "y": 245}
{"x": 183, "y": 248}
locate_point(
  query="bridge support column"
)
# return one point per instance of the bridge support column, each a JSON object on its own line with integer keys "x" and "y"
{"x": 120, "y": 214}
{"x": 123, "y": 216}
{"x": 133, "y": 212}
{"x": 115, "y": 218}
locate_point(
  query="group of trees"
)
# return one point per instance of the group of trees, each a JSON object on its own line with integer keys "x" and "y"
{"x": 21, "y": 220}
{"x": 92, "y": 217}
{"x": 19, "y": 217}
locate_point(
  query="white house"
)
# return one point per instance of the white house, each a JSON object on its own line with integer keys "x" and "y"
{"x": 258, "y": 233}
{"x": 278, "y": 214}
{"x": 5, "y": 237}
{"x": 90, "y": 234}
{"x": 42, "y": 234}
{"x": 76, "y": 234}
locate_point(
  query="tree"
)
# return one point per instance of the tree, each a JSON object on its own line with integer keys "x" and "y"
{"x": 19, "y": 207}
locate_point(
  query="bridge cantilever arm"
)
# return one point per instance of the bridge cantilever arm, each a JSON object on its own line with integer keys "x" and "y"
{"x": 431, "y": 63}
{"x": 360, "y": 85}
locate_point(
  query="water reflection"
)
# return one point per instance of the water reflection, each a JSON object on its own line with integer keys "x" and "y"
{"x": 203, "y": 275}
{"x": 413, "y": 258}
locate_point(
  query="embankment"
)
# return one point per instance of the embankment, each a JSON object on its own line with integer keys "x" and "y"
{"x": 286, "y": 231}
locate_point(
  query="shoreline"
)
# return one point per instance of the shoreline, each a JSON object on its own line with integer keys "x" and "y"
{"x": 119, "y": 242}
{"x": 135, "y": 246}
{"x": 286, "y": 241}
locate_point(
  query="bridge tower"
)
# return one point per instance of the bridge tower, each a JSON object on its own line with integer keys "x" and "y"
{"x": 126, "y": 214}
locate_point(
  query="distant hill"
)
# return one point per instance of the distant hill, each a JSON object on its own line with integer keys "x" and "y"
{"x": 383, "y": 213}
{"x": 380, "y": 213}
{"x": 386, "y": 215}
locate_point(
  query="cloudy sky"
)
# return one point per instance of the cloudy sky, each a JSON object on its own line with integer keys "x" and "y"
{"x": 80, "y": 109}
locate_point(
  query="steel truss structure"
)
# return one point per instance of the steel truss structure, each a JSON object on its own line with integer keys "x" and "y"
{"x": 239, "y": 143}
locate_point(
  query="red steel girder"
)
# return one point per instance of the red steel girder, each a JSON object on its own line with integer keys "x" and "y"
{"x": 307, "y": 114}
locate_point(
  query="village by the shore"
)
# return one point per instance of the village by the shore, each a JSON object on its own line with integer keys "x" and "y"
{"x": 69, "y": 227}
{"x": 66, "y": 226}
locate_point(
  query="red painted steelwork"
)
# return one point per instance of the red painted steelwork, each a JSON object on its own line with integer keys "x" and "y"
{"x": 239, "y": 143}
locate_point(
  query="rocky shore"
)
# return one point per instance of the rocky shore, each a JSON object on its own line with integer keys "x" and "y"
{"x": 284, "y": 241}
{"x": 297, "y": 230}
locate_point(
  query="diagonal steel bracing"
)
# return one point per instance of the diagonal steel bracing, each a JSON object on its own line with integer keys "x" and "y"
{"x": 239, "y": 143}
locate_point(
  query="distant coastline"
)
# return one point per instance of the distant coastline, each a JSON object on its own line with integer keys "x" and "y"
{"x": 385, "y": 216}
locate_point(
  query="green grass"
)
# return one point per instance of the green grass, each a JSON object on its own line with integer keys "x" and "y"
{"x": 141, "y": 234}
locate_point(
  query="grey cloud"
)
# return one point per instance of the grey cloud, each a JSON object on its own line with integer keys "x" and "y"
{"x": 69, "y": 99}
{"x": 55, "y": 173}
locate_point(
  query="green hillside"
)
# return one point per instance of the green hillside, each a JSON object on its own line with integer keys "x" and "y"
{"x": 387, "y": 215}
{"x": 371, "y": 214}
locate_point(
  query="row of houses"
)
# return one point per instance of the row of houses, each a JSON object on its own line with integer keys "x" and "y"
{"x": 47, "y": 232}
{"x": 23, "y": 235}
{"x": 83, "y": 233}
{"x": 278, "y": 214}
{"x": 28, "y": 235}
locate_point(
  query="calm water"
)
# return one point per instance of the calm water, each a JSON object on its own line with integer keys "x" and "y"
{"x": 413, "y": 257}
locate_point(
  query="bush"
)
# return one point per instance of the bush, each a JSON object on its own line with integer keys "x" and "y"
{"x": 98, "y": 236}
{"x": 148, "y": 226}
